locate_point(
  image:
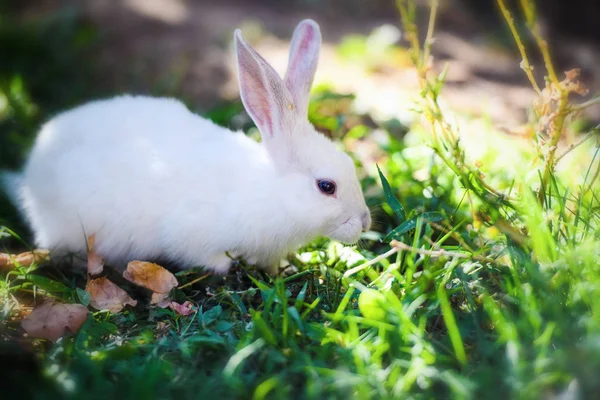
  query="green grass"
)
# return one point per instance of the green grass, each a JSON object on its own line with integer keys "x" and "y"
{"x": 492, "y": 296}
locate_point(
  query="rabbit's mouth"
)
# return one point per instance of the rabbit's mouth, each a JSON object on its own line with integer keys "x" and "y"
{"x": 348, "y": 232}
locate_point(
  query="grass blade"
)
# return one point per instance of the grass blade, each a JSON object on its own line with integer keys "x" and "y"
{"x": 450, "y": 321}
{"x": 433, "y": 216}
{"x": 392, "y": 201}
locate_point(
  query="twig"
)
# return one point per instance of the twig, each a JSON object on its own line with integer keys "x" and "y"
{"x": 526, "y": 66}
{"x": 591, "y": 133}
{"x": 553, "y": 85}
{"x": 430, "y": 29}
{"x": 556, "y": 133}
{"x": 440, "y": 253}
{"x": 586, "y": 104}
{"x": 195, "y": 280}
{"x": 432, "y": 253}
{"x": 411, "y": 30}
{"x": 530, "y": 18}
{"x": 356, "y": 269}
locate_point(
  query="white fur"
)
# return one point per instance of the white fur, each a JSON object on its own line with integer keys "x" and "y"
{"x": 11, "y": 183}
{"x": 152, "y": 180}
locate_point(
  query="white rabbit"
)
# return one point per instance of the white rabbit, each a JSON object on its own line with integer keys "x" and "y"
{"x": 152, "y": 180}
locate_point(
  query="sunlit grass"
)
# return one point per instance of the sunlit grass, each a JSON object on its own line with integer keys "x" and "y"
{"x": 491, "y": 290}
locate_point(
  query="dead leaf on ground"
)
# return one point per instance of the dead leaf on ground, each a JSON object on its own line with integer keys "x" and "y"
{"x": 162, "y": 300}
{"x": 184, "y": 309}
{"x": 105, "y": 295}
{"x": 95, "y": 264}
{"x": 10, "y": 261}
{"x": 53, "y": 320}
{"x": 151, "y": 276}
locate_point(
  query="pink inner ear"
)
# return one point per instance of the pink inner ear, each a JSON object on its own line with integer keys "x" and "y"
{"x": 256, "y": 98}
{"x": 307, "y": 38}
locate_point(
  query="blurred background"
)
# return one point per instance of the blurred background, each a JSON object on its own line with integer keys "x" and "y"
{"x": 55, "y": 54}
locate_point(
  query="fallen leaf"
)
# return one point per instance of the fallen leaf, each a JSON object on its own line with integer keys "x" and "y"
{"x": 162, "y": 300}
{"x": 9, "y": 261}
{"x": 151, "y": 276}
{"x": 105, "y": 295}
{"x": 95, "y": 264}
{"x": 52, "y": 321}
{"x": 184, "y": 309}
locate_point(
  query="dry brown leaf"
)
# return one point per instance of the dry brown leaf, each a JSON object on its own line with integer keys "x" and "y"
{"x": 9, "y": 261}
{"x": 95, "y": 264}
{"x": 53, "y": 320}
{"x": 184, "y": 309}
{"x": 572, "y": 83}
{"x": 151, "y": 276}
{"x": 162, "y": 300}
{"x": 572, "y": 74}
{"x": 105, "y": 295}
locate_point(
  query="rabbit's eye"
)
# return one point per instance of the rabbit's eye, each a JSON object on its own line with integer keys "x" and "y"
{"x": 326, "y": 187}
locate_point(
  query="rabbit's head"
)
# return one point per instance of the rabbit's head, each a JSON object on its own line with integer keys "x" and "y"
{"x": 318, "y": 176}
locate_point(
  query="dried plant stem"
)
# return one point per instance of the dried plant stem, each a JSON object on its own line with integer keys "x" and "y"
{"x": 553, "y": 86}
{"x": 407, "y": 11}
{"x": 400, "y": 246}
{"x": 432, "y": 253}
{"x": 434, "y": 4}
{"x": 594, "y": 100}
{"x": 359, "y": 268}
{"x": 591, "y": 133}
{"x": 440, "y": 253}
{"x": 526, "y": 66}
{"x": 528, "y": 8}
{"x": 444, "y": 137}
{"x": 555, "y": 134}
{"x": 203, "y": 277}
{"x": 543, "y": 45}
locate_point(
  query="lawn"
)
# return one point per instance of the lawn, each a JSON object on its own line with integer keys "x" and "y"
{"x": 479, "y": 279}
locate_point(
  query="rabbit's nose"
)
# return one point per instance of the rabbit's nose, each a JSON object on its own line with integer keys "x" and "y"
{"x": 366, "y": 221}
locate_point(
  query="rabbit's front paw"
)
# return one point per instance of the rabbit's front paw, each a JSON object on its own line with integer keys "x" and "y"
{"x": 221, "y": 263}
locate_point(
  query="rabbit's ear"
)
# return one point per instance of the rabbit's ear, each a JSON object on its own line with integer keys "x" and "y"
{"x": 302, "y": 64}
{"x": 263, "y": 92}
